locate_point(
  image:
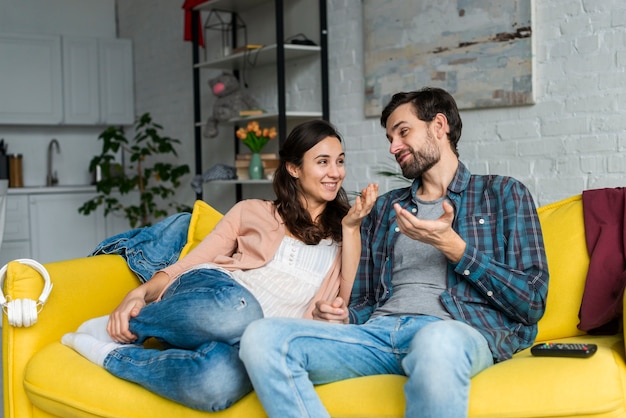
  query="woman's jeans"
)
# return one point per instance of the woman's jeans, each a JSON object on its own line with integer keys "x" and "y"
{"x": 199, "y": 321}
{"x": 286, "y": 357}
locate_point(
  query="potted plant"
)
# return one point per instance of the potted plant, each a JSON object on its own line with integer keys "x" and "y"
{"x": 255, "y": 139}
{"x": 154, "y": 180}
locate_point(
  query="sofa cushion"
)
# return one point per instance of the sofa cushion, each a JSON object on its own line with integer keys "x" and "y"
{"x": 203, "y": 220}
{"x": 61, "y": 382}
{"x": 530, "y": 387}
{"x": 564, "y": 237}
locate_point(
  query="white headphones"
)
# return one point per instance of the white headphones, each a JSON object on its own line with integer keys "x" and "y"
{"x": 23, "y": 312}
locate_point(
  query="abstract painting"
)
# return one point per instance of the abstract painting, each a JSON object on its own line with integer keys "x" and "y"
{"x": 480, "y": 51}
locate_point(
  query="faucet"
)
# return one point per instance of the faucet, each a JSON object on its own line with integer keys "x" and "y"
{"x": 51, "y": 178}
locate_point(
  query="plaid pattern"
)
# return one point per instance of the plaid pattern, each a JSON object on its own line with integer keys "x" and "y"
{"x": 500, "y": 285}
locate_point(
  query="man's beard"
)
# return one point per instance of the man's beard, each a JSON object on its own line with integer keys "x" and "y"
{"x": 422, "y": 161}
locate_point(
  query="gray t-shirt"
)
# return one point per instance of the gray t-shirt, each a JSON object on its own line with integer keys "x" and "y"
{"x": 419, "y": 273}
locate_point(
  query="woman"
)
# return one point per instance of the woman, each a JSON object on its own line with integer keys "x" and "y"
{"x": 264, "y": 259}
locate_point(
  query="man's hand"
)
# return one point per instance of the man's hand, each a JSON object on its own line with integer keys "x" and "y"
{"x": 438, "y": 232}
{"x": 336, "y": 312}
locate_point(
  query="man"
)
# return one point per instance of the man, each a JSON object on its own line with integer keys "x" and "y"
{"x": 453, "y": 277}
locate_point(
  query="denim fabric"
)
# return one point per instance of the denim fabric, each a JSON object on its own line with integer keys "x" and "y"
{"x": 286, "y": 357}
{"x": 199, "y": 320}
{"x": 149, "y": 249}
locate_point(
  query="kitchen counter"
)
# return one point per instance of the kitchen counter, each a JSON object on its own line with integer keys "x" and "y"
{"x": 52, "y": 189}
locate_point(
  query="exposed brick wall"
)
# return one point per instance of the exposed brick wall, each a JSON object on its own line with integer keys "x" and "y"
{"x": 572, "y": 139}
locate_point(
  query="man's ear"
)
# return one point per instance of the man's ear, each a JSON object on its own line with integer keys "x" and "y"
{"x": 440, "y": 125}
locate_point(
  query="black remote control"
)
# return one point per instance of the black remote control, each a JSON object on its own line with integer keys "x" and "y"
{"x": 564, "y": 350}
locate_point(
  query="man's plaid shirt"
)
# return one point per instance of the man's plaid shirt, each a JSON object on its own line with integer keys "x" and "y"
{"x": 500, "y": 285}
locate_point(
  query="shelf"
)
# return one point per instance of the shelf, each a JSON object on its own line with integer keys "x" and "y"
{"x": 273, "y": 58}
{"x": 295, "y": 116}
{"x": 228, "y": 5}
{"x": 292, "y": 115}
{"x": 257, "y": 182}
{"x": 259, "y": 57}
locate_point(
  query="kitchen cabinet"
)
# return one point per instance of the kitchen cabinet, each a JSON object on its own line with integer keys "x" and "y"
{"x": 117, "y": 100}
{"x": 16, "y": 238}
{"x": 289, "y": 61}
{"x": 58, "y": 231}
{"x": 45, "y": 225}
{"x": 51, "y": 80}
{"x": 97, "y": 81}
{"x": 81, "y": 102}
{"x": 30, "y": 79}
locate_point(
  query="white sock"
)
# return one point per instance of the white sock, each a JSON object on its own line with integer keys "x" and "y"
{"x": 97, "y": 328}
{"x": 90, "y": 347}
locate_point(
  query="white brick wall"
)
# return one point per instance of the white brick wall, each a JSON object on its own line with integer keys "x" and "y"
{"x": 573, "y": 138}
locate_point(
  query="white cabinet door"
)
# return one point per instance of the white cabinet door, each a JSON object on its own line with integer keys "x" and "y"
{"x": 81, "y": 102}
{"x": 98, "y": 81}
{"x": 117, "y": 103}
{"x": 16, "y": 237}
{"x": 58, "y": 231}
{"x": 30, "y": 79}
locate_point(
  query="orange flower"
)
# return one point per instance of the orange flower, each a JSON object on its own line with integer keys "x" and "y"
{"x": 254, "y": 137}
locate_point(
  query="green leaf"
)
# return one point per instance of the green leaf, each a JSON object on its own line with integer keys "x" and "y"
{"x": 143, "y": 151}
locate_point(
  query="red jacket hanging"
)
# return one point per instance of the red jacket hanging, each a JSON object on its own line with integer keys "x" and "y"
{"x": 604, "y": 212}
{"x": 188, "y": 5}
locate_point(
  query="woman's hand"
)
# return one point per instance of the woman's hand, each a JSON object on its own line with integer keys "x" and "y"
{"x": 336, "y": 311}
{"x": 119, "y": 319}
{"x": 132, "y": 304}
{"x": 363, "y": 204}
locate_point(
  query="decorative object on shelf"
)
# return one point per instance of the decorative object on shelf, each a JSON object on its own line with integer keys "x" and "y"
{"x": 255, "y": 138}
{"x": 157, "y": 181}
{"x": 228, "y": 26}
{"x": 255, "y": 169}
{"x": 269, "y": 160}
{"x": 216, "y": 172}
{"x": 251, "y": 112}
{"x": 231, "y": 99}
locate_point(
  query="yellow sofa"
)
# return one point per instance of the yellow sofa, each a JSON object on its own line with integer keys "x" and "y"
{"x": 43, "y": 378}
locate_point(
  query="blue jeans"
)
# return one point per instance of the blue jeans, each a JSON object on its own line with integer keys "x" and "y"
{"x": 199, "y": 321}
{"x": 149, "y": 249}
{"x": 286, "y": 357}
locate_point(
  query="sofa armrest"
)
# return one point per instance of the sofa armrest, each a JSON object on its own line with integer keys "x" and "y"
{"x": 83, "y": 288}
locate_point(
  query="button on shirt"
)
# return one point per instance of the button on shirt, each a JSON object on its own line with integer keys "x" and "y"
{"x": 500, "y": 285}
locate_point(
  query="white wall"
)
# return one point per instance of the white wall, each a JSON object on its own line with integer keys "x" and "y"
{"x": 163, "y": 73}
{"x": 572, "y": 139}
